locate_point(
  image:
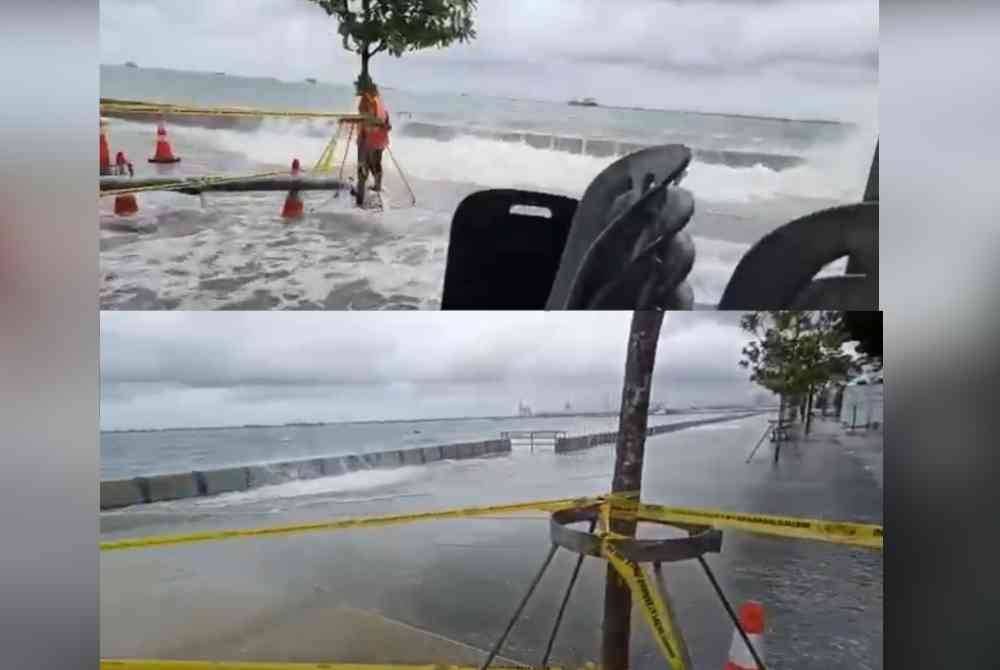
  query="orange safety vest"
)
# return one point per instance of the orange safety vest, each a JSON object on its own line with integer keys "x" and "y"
{"x": 373, "y": 136}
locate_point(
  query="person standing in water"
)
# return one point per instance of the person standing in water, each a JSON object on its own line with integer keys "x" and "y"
{"x": 373, "y": 138}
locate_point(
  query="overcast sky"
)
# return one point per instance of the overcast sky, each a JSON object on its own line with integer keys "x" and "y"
{"x": 795, "y": 57}
{"x": 166, "y": 369}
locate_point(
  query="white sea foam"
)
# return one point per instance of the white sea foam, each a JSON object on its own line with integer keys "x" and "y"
{"x": 497, "y": 164}
{"x": 351, "y": 482}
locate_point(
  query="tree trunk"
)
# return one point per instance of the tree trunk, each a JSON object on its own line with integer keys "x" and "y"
{"x": 809, "y": 409}
{"x": 632, "y": 423}
{"x": 365, "y": 58}
{"x": 366, "y": 54}
{"x": 781, "y": 424}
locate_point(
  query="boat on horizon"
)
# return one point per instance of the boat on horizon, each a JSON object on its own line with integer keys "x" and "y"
{"x": 131, "y": 64}
{"x": 584, "y": 102}
{"x": 310, "y": 80}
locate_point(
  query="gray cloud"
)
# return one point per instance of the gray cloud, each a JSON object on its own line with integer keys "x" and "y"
{"x": 200, "y": 368}
{"x": 634, "y": 52}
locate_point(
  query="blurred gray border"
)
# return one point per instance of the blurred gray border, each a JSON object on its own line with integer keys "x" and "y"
{"x": 938, "y": 108}
{"x": 48, "y": 335}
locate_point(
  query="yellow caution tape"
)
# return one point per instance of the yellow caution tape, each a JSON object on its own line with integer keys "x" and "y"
{"x": 857, "y": 534}
{"x": 656, "y": 613}
{"x": 341, "y": 524}
{"x": 156, "y": 664}
{"x": 110, "y": 106}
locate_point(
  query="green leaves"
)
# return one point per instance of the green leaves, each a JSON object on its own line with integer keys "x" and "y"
{"x": 794, "y": 352}
{"x": 397, "y": 26}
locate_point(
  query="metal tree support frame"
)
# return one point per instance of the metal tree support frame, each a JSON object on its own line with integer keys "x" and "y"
{"x": 699, "y": 541}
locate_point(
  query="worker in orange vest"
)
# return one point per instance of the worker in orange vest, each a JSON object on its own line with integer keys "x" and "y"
{"x": 373, "y": 138}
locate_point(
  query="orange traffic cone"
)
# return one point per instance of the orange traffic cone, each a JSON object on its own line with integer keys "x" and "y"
{"x": 164, "y": 154}
{"x": 293, "y": 202}
{"x": 752, "y": 623}
{"x": 105, "y": 150}
{"x": 125, "y": 205}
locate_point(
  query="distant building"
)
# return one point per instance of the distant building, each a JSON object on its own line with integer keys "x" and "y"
{"x": 523, "y": 409}
{"x": 567, "y": 407}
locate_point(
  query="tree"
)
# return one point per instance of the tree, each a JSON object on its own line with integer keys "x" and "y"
{"x": 644, "y": 334}
{"x": 369, "y": 27}
{"x": 794, "y": 354}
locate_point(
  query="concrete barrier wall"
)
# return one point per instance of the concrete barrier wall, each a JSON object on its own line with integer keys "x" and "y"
{"x": 172, "y": 487}
{"x": 125, "y": 492}
{"x": 387, "y": 459}
{"x": 432, "y": 454}
{"x": 412, "y": 456}
{"x": 568, "y": 444}
{"x": 213, "y": 482}
{"x": 117, "y": 493}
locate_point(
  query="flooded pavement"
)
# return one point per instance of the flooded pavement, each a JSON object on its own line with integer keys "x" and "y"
{"x": 448, "y": 587}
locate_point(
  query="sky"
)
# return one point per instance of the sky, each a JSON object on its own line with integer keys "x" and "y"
{"x": 181, "y": 369}
{"x": 801, "y": 58}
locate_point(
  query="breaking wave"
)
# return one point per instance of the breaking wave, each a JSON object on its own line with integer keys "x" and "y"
{"x": 493, "y": 162}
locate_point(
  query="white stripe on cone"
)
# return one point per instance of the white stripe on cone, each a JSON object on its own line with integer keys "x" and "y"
{"x": 740, "y": 657}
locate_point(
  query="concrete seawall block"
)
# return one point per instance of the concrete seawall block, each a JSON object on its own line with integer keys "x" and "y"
{"x": 451, "y": 451}
{"x": 573, "y": 145}
{"x": 334, "y": 465}
{"x": 498, "y": 446}
{"x": 432, "y": 454}
{"x": 538, "y": 141}
{"x": 601, "y": 148}
{"x": 478, "y": 449}
{"x": 467, "y": 450}
{"x": 277, "y": 473}
{"x": 412, "y": 456}
{"x": 354, "y": 462}
{"x": 387, "y": 459}
{"x": 172, "y": 487}
{"x": 213, "y": 482}
{"x": 567, "y": 444}
{"x": 259, "y": 475}
{"x": 121, "y": 493}
{"x": 311, "y": 469}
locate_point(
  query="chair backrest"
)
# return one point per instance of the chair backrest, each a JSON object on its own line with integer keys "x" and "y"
{"x": 500, "y": 257}
{"x": 620, "y": 184}
{"x": 779, "y": 272}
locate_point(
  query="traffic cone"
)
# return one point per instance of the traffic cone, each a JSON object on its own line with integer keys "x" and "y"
{"x": 164, "y": 154}
{"x": 125, "y": 205}
{"x": 105, "y": 150}
{"x": 293, "y": 202}
{"x": 752, "y": 622}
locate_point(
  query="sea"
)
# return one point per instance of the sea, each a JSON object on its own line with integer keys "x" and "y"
{"x": 150, "y": 452}
{"x": 234, "y": 251}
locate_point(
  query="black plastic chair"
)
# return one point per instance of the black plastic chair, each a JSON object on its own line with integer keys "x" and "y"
{"x": 503, "y": 258}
